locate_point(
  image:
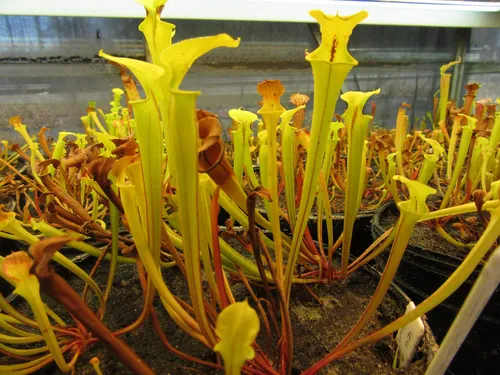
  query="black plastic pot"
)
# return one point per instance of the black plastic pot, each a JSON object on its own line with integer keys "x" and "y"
{"x": 362, "y": 226}
{"x": 361, "y": 238}
{"x": 421, "y": 273}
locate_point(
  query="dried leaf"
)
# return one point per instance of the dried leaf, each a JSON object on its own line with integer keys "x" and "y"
{"x": 99, "y": 168}
{"x": 75, "y": 158}
{"x": 61, "y": 194}
{"x": 43, "y": 251}
{"x": 211, "y": 157}
{"x": 125, "y": 147}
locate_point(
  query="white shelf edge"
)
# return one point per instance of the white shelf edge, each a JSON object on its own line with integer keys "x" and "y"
{"x": 441, "y": 14}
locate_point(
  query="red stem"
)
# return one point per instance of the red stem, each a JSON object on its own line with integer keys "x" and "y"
{"x": 55, "y": 286}
{"x": 219, "y": 276}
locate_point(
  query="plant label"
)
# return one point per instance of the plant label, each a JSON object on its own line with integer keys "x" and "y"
{"x": 408, "y": 339}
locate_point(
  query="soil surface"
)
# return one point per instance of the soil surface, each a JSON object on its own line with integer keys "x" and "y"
{"x": 341, "y": 306}
{"x": 123, "y": 308}
{"x": 318, "y": 326}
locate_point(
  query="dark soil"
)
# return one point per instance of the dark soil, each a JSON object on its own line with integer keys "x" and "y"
{"x": 342, "y": 305}
{"x": 318, "y": 327}
{"x": 124, "y": 307}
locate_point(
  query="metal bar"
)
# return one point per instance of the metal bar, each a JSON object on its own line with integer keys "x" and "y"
{"x": 462, "y": 45}
{"x": 444, "y": 14}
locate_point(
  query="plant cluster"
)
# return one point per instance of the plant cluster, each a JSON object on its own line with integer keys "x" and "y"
{"x": 147, "y": 181}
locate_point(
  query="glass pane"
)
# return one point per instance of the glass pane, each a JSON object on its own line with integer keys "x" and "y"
{"x": 50, "y": 71}
{"x": 67, "y": 39}
{"x": 490, "y": 82}
{"x": 52, "y": 95}
{"x": 484, "y": 46}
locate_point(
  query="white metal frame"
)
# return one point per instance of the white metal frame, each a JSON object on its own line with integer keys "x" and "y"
{"x": 400, "y": 12}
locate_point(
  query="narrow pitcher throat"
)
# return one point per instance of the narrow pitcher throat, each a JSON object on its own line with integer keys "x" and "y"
{"x": 411, "y": 214}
